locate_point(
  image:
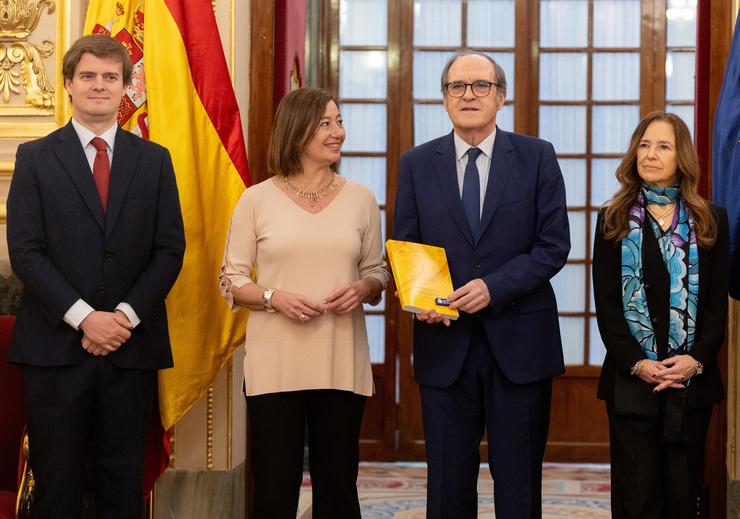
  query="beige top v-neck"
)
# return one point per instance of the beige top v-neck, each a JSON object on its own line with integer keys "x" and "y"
{"x": 311, "y": 254}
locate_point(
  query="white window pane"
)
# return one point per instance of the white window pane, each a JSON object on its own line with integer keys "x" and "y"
{"x": 506, "y": 62}
{"x": 574, "y": 175}
{"x": 379, "y": 307}
{"x": 563, "y": 76}
{"x": 616, "y": 76}
{"x": 612, "y": 128}
{"x": 430, "y": 122}
{"x": 679, "y": 76}
{"x": 427, "y": 72}
{"x": 363, "y": 22}
{"x": 681, "y": 20}
{"x": 505, "y": 118}
{"x": 365, "y": 125}
{"x": 368, "y": 171}
{"x": 569, "y": 286}
{"x": 596, "y": 349}
{"x": 363, "y": 74}
{"x": 437, "y": 23}
{"x": 577, "y": 221}
{"x": 603, "y": 180}
{"x": 572, "y": 332}
{"x": 616, "y": 23}
{"x": 376, "y": 337}
{"x": 564, "y": 127}
{"x": 563, "y": 23}
{"x": 685, "y": 112}
{"x": 491, "y": 23}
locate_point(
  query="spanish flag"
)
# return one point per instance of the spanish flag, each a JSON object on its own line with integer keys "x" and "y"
{"x": 181, "y": 97}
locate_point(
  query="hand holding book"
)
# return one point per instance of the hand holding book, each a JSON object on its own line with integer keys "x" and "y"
{"x": 422, "y": 278}
{"x": 471, "y": 297}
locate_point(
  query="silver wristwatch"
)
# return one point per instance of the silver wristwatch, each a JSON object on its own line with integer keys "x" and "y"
{"x": 267, "y": 300}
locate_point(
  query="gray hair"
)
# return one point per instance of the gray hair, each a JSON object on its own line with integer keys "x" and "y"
{"x": 498, "y": 72}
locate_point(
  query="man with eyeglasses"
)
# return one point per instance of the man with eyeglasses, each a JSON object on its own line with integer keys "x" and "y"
{"x": 495, "y": 201}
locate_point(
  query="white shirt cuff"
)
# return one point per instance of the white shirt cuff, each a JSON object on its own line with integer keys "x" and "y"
{"x": 77, "y": 313}
{"x": 129, "y": 311}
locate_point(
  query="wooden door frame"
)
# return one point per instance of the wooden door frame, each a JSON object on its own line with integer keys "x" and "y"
{"x": 262, "y": 77}
{"x": 259, "y": 124}
{"x": 714, "y": 35}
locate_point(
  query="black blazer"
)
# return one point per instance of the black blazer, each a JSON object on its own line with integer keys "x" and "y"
{"x": 623, "y": 351}
{"x": 64, "y": 247}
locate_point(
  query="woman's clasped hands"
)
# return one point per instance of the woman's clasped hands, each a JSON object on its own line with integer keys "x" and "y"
{"x": 668, "y": 373}
{"x": 340, "y": 301}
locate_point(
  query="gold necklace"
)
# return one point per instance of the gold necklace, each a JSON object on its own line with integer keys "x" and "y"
{"x": 312, "y": 196}
{"x": 661, "y": 217}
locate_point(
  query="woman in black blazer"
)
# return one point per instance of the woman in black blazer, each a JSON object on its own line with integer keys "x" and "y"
{"x": 660, "y": 273}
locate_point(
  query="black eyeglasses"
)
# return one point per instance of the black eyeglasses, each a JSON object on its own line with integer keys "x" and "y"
{"x": 479, "y": 87}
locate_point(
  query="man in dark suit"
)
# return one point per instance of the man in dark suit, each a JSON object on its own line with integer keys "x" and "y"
{"x": 96, "y": 235}
{"x": 496, "y": 202}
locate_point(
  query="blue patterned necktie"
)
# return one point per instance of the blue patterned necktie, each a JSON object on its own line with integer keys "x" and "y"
{"x": 471, "y": 192}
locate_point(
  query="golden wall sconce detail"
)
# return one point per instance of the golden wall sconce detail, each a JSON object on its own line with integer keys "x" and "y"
{"x": 21, "y": 61}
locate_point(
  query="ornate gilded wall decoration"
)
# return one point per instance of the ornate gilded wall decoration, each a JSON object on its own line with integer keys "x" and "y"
{"x": 21, "y": 61}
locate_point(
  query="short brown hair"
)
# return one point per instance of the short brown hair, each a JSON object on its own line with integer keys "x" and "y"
{"x": 498, "y": 73}
{"x": 296, "y": 121}
{"x": 615, "y": 219}
{"x": 100, "y": 46}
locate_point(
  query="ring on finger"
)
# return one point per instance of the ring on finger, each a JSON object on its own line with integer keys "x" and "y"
{"x": 303, "y": 317}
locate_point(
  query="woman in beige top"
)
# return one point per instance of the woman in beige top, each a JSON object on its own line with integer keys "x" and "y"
{"x": 303, "y": 254}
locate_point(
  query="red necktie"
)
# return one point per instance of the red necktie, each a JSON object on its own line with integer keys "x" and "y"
{"x": 101, "y": 170}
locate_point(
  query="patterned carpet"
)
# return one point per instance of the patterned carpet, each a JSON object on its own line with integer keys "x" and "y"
{"x": 397, "y": 491}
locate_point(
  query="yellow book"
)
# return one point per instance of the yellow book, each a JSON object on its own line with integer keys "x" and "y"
{"x": 422, "y": 277}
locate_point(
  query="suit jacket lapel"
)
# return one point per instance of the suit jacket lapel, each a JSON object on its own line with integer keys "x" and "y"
{"x": 502, "y": 160}
{"x": 72, "y": 156}
{"x": 125, "y": 158}
{"x": 446, "y": 169}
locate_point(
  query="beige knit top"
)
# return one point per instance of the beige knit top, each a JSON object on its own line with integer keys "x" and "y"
{"x": 310, "y": 254}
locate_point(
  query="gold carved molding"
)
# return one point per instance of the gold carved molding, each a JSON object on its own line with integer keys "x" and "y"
{"x": 6, "y": 168}
{"x": 23, "y": 130}
{"x": 22, "y": 61}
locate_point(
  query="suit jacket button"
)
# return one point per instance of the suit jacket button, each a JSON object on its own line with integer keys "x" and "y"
{"x": 101, "y": 289}
{"x": 476, "y": 266}
{"x": 108, "y": 256}
{"x": 654, "y": 320}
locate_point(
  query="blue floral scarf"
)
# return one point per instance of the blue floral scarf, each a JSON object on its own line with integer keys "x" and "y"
{"x": 681, "y": 256}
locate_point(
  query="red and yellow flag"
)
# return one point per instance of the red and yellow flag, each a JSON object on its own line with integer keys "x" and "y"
{"x": 181, "y": 97}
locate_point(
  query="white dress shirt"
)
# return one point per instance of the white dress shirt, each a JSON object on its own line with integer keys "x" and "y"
{"x": 483, "y": 162}
{"x": 80, "y": 309}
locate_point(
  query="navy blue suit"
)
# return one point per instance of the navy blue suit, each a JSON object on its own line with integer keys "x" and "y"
{"x": 64, "y": 247}
{"x": 512, "y": 346}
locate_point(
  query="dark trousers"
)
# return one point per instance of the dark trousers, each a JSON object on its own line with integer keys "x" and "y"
{"x": 653, "y": 478}
{"x": 277, "y": 424}
{"x": 516, "y": 417}
{"x": 92, "y": 410}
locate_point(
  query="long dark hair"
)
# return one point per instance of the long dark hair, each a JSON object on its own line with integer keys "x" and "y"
{"x": 615, "y": 224}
